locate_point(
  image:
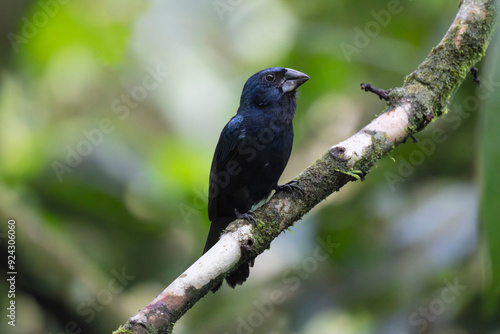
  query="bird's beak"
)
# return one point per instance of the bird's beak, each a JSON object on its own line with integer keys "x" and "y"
{"x": 293, "y": 80}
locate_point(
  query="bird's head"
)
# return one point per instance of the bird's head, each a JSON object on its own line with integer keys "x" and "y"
{"x": 272, "y": 86}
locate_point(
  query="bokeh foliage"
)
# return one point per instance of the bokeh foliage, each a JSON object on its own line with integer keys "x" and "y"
{"x": 109, "y": 114}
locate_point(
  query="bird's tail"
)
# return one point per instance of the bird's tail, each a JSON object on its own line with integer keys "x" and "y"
{"x": 241, "y": 273}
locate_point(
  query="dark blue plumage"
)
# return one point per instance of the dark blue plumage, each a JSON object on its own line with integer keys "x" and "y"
{"x": 252, "y": 151}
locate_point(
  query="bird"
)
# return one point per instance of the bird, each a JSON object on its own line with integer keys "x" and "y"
{"x": 251, "y": 154}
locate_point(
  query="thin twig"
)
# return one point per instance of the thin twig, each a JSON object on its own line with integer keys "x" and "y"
{"x": 382, "y": 94}
{"x": 475, "y": 77}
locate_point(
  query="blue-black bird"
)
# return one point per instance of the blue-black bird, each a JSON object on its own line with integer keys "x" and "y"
{"x": 252, "y": 152}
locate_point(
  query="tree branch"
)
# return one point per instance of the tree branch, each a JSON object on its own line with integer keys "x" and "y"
{"x": 425, "y": 95}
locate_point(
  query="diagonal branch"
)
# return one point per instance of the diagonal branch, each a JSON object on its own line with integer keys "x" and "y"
{"x": 425, "y": 95}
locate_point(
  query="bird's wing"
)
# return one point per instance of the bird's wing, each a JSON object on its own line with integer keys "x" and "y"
{"x": 229, "y": 140}
{"x": 227, "y": 148}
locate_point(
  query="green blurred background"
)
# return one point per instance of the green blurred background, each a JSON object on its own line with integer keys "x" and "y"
{"x": 109, "y": 114}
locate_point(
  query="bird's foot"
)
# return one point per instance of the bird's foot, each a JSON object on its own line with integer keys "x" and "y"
{"x": 290, "y": 187}
{"x": 249, "y": 216}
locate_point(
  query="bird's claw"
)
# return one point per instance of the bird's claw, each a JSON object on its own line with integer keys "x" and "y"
{"x": 290, "y": 187}
{"x": 249, "y": 216}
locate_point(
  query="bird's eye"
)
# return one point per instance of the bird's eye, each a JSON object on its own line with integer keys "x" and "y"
{"x": 270, "y": 77}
